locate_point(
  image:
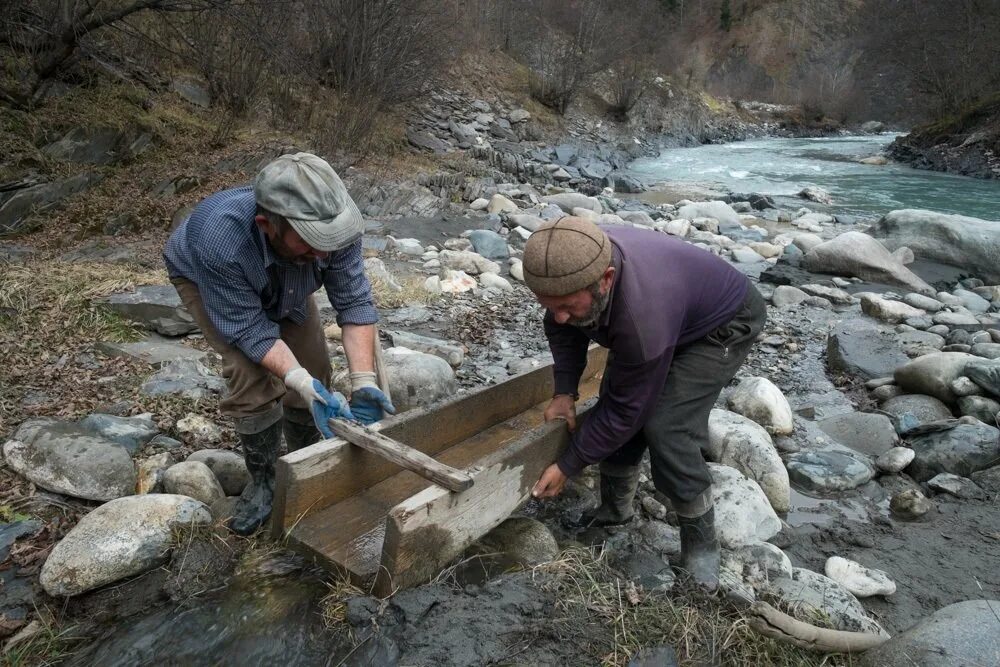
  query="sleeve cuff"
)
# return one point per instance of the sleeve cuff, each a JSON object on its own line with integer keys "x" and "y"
{"x": 566, "y": 383}
{"x": 361, "y": 314}
{"x": 258, "y": 349}
{"x": 570, "y": 464}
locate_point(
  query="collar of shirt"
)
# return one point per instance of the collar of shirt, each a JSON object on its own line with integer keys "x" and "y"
{"x": 616, "y": 262}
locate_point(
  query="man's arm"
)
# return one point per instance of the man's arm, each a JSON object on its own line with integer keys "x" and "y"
{"x": 569, "y": 354}
{"x": 359, "y": 346}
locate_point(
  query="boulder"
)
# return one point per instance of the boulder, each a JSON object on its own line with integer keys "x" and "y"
{"x": 924, "y": 408}
{"x": 757, "y": 563}
{"x": 119, "y": 539}
{"x": 738, "y": 442}
{"x": 986, "y": 375}
{"x": 857, "y": 254}
{"x": 200, "y": 429}
{"x": 417, "y": 379}
{"x": 786, "y": 295}
{"x": 960, "y": 487}
{"x": 895, "y": 459}
{"x": 808, "y": 596}
{"x": 962, "y": 450}
{"x": 96, "y": 145}
{"x": 919, "y": 343}
{"x": 986, "y": 350}
{"x": 519, "y": 115}
{"x": 760, "y": 400}
{"x": 932, "y": 374}
{"x": 187, "y": 378}
{"x": 500, "y": 204}
{"x": 16, "y": 207}
{"x": 892, "y": 312}
{"x": 488, "y": 280}
{"x": 827, "y": 471}
{"x": 816, "y": 194}
{"x": 965, "y": 633}
{"x": 193, "y": 479}
{"x": 156, "y": 307}
{"x": 743, "y": 514}
{"x": 861, "y": 347}
{"x": 864, "y": 432}
{"x": 471, "y": 263}
{"x": 227, "y": 466}
{"x": 910, "y": 504}
{"x": 520, "y": 541}
{"x": 489, "y": 244}
{"x": 65, "y": 458}
{"x": 129, "y": 432}
{"x": 567, "y": 201}
{"x": 968, "y": 243}
{"x": 719, "y": 210}
{"x": 863, "y": 582}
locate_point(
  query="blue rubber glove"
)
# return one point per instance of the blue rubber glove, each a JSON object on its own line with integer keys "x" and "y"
{"x": 335, "y": 407}
{"x": 369, "y": 405}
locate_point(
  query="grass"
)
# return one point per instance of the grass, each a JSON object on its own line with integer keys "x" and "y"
{"x": 412, "y": 292}
{"x": 701, "y": 630}
{"x": 48, "y": 645}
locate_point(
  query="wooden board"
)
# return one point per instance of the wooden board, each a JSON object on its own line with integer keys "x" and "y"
{"x": 321, "y": 475}
{"x": 430, "y": 529}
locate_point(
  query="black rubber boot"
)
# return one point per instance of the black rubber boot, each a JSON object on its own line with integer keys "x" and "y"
{"x": 260, "y": 451}
{"x": 700, "y": 549}
{"x": 299, "y": 429}
{"x": 618, "y": 487}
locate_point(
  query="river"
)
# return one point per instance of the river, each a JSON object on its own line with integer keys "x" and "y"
{"x": 782, "y": 167}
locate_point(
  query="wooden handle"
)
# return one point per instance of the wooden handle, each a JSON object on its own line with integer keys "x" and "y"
{"x": 380, "y": 374}
{"x": 402, "y": 455}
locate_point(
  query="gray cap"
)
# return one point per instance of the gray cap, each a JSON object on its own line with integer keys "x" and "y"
{"x": 305, "y": 190}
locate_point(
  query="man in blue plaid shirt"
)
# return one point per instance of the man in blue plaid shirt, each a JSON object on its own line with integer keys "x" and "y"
{"x": 245, "y": 264}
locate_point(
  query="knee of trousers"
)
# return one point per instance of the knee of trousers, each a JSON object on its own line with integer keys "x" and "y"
{"x": 257, "y": 422}
{"x": 298, "y": 415}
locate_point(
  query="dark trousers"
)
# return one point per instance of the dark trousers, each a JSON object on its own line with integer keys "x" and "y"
{"x": 678, "y": 425}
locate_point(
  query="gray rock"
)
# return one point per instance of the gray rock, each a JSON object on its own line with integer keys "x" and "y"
{"x": 972, "y": 301}
{"x": 37, "y": 198}
{"x": 950, "y": 319}
{"x": 156, "y": 307}
{"x": 786, "y": 295}
{"x": 833, "y": 294}
{"x": 10, "y": 532}
{"x": 864, "y": 432}
{"x": 757, "y": 398}
{"x": 960, "y": 487}
{"x": 743, "y": 255}
{"x": 910, "y": 504}
{"x": 887, "y": 310}
{"x": 227, "y": 466}
{"x": 593, "y": 168}
{"x": 757, "y": 563}
{"x": 986, "y": 350}
{"x": 743, "y": 514}
{"x": 919, "y": 343}
{"x": 861, "y": 581}
{"x": 961, "y": 450}
{"x": 519, "y": 115}
{"x": 66, "y": 458}
{"x": 193, "y": 479}
{"x": 427, "y": 141}
{"x": 489, "y": 244}
{"x": 857, "y": 254}
{"x": 417, "y": 379}
{"x": 816, "y": 194}
{"x": 119, "y": 539}
{"x": 150, "y": 473}
{"x": 187, "y": 378}
{"x": 93, "y": 145}
{"x": 826, "y": 471}
{"x": 154, "y": 350}
{"x": 809, "y": 596}
{"x": 932, "y": 374}
{"x": 719, "y": 210}
{"x": 529, "y": 222}
{"x": 626, "y": 183}
{"x": 895, "y": 459}
{"x": 924, "y": 408}
{"x": 860, "y": 347}
{"x": 471, "y": 263}
{"x": 982, "y": 408}
{"x": 884, "y": 393}
{"x": 129, "y": 432}
{"x": 988, "y": 480}
{"x": 923, "y": 302}
{"x": 965, "y": 633}
{"x": 193, "y": 90}
{"x": 519, "y": 540}
{"x": 986, "y": 375}
{"x": 453, "y": 353}
{"x": 736, "y": 441}
{"x": 567, "y": 201}
{"x": 199, "y": 429}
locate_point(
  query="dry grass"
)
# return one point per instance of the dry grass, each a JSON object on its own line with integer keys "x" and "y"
{"x": 702, "y": 631}
{"x": 333, "y": 606}
{"x": 45, "y": 644}
{"x": 412, "y": 292}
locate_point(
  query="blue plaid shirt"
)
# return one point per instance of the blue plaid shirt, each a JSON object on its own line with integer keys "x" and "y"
{"x": 247, "y": 289}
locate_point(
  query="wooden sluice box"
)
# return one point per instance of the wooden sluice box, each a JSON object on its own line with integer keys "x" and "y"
{"x": 357, "y": 513}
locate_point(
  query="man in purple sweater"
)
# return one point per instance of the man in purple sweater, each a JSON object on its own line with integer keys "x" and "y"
{"x": 678, "y": 322}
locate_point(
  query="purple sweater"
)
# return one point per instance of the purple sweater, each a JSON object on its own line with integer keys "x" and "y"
{"x": 666, "y": 293}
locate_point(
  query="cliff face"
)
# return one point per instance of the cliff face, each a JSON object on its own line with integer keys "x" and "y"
{"x": 967, "y": 144}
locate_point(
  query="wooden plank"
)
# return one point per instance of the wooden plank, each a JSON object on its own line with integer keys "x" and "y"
{"x": 430, "y": 529}
{"x": 405, "y": 457}
{"x": 327, "y": 473}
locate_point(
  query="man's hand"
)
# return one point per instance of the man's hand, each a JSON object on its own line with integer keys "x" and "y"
{"x": 323, "y": 404}
{"x": 562, "y": 407}
{"x": 369, "y": 405}
{"x": 550, "y": 484}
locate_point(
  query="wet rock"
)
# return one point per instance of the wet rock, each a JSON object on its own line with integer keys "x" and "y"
{"x": 759, "y": 399}
{"x": 786, "y": 295}
{"x": 895, "y": 460}
{"x": 964, "y": 633}
{"x": 757, "y": 563}
{"x": 950, "y": 319}
{"x": 156, "y": 307}
{"x": 961, "y": 450}
{"x": 986, "y": 350}
{"x": 809, "y": 596}
{"x": 972, "y": 301}
{"x": 863, "y": 582}
{"x": 492, "y": 280}
{"x": 129, "y": 432}
{"x": 960, "y": 487}
{"x": 468, "y": 262}
{"x": 155, "y": 350}
{"x": 149, "y": 478}
{"x": 654, "y": 508}
{"x": 567, "y": 201}
{"x": 864, "y": 432}
{"x": 193, "y": 479}
{"x": 923, "y": 302}
{"x": 227, "y": 466}
{"x": 417, "y": 379}
{"x": 860, "y": 347}
{"x": 886, "y": 310}
{"x": 982, "y": 408}
{"x": 832, "y": 294}
{"x": 857, "y": 254}
{"x": 818, "y": 195}
{"x": 924, "y": 409}
{"x": 738, "y": 442}
{"x": 919, "y": 343}
{"x": 519, "y": 540}
{"x": 986, "y": 375}
{"x": 66, "y": 458}
{"x": 453, "y": 353}
{"x": 119, "y": 539}
{"x": 489, "y": 244}
{"x": 200, "y": 429}
{"x": 187, "y": 378}
{"x": 743, "y": 514}
{"x": 827, "y": 471}
{"x": 719, "y": 210}
{"x": 932, "y": 374}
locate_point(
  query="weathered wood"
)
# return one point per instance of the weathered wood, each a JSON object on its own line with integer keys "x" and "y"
{"x": 405, "y": 457}
{"x": 428, "y": 530}
{"x": 381, "y": 375}
{"x": 316, "y": 477}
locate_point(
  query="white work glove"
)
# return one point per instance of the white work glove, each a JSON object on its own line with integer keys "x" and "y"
{"x": 323, "y": 404}
{"x": 302, "y": 383}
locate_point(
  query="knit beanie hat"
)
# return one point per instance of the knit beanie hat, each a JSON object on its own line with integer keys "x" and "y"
{"x": 565, "y": 256}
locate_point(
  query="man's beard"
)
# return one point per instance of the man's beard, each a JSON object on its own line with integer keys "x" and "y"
{"x": 598, "y": 304}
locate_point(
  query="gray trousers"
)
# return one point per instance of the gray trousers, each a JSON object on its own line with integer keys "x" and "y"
{"x": 678, "y": 425}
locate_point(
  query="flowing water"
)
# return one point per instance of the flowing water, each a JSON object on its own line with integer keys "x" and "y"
{"x": 782, "y": 167}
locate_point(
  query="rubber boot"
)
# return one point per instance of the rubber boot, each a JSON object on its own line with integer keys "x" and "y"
{"x": 618, "y": 487}
{"x": 699, "y": 547}
{"x": 299, "y": 429}
{"x": 260, "y": 451}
